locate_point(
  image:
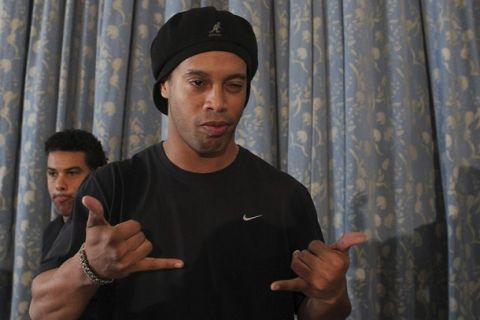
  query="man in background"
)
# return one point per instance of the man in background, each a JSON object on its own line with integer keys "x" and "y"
{"x": 71, "y": 155}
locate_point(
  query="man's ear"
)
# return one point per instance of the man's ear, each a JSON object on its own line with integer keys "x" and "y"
{"x": 164, "y": 89}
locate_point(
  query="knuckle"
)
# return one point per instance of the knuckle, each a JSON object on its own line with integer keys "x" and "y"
{"x": 336, "y": 262}
{"x": 333, "y": 279}
{"x": 116, "y": 253}
{"x": 329, "y": 280}
{"x": 168, "y": 263}
{"x": 113, "y": 253}
{"x": 313, "y": 245}
{"x": 340, "y": 262}
{"x": 120, "y": 266}
{"x": 302, "y": 254}
{"x": 294, "y": 264}
{"x": 148, "y": 247}
{"x": 134, "y": 224}
{"x": 141, "y": 237}
{"x": 319, "y": 283}
{"x": 107, "y": 237}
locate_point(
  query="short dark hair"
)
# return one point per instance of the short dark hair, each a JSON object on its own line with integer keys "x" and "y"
{"x": 78, "y": 140}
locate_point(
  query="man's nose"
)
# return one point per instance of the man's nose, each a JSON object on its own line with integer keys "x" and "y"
{"x": 216, "y": 99}
{"x": 61, "y": 183}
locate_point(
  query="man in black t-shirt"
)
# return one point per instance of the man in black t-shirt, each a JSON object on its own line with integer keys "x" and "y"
{"x": 196, "y": 227}
{"x": 71, "y": 155}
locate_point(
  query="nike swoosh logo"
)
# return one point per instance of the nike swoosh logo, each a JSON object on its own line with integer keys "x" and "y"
{"x": 245, "y": 218}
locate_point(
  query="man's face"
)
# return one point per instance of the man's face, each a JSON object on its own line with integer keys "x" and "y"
{"x": 65, "y": 172}
{"x": 206, "y": 95}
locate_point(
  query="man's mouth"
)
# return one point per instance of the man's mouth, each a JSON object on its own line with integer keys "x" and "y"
{"x": 62, "y": 198}
{"x": 215, "y": 128}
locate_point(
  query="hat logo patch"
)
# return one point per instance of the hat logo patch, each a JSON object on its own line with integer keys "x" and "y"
{"x": 215, "y": 32}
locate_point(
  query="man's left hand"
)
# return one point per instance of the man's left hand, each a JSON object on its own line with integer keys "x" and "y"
{"x": 321, "y": 270}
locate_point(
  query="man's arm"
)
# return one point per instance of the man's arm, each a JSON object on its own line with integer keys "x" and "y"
{"x": 61, "y": 293}
{"x": 321, "y": 271}
{"x": 113, "y": 252}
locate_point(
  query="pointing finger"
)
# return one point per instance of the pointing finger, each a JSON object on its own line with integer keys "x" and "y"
{"x": 156, "y": 264}
{"x": 348, "y": 240}
{"x": 296, "y": 284}
{"x": 95, "y": 214}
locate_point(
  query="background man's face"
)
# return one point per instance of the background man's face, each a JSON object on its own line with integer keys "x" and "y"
{"x": 65, "y": 172}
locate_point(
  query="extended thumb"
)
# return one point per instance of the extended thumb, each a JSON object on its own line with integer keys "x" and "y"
{"x": 95, "y": 212}
{"x": 348, "y": 240}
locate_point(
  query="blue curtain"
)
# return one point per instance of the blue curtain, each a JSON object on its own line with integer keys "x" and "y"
{"x": 374, "y": 105}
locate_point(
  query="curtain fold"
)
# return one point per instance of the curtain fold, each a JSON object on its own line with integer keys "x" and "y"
{"x": 14, "y": 31}
{"x": 40, "y": 98}
{"x": 453, "y": 44}
{"x": 373, "y": 105}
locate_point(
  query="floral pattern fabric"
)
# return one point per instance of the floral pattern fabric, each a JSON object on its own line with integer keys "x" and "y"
{"x": 373, "y": 105}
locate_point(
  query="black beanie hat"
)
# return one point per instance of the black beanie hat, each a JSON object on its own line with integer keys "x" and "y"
{"x": 200, "y": 30}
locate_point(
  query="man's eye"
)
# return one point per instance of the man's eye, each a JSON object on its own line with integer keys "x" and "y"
{"x": 51, "y": 174}
{"x": 197, "y": 83}
{"x": 235, "y": 86}
{"x": 72, "y": 173}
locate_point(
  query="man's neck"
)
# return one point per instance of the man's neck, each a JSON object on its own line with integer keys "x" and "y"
{"x": 190, "y": 160}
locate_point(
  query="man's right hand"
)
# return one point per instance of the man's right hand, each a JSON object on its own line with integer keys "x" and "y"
{"x": 113, "y": 252}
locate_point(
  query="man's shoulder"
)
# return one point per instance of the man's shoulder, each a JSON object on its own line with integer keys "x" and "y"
{"x": 250, "y": 158}
{"x": 138, "y": 161}
{"x": 266, "y": 171}
{"x": 124, "y": 173}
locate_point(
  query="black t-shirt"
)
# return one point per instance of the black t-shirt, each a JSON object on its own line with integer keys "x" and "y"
{"x": 235, "y": 229}
{"x": 50, "y": 234}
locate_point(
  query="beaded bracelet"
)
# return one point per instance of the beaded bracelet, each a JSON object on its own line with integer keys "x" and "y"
{"x": 88, "y": 270}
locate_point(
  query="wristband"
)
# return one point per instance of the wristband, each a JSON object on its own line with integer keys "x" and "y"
{"x": 88, "y": 270}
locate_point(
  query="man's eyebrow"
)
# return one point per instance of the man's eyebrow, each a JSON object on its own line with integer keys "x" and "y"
{"x": 73, "y": 168}
{"x": 193, "y": 72}
{"x": 65, "y": 169}
{"x": 239, "y": 76}
{"x": 203, "y": 74}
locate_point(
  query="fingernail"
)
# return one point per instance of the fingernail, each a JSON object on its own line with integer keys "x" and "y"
{"x": 296, "y": 253}
{"x": 274, "y": 286}
{"x": 178, "y": 265}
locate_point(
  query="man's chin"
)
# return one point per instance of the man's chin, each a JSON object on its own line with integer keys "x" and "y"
{"x": 64, "y": 212}
{"x": 213, "y": 147}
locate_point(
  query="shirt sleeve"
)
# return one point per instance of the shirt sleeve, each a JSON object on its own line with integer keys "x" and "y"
{"x": 304, "y": 227}
{"x": 50, "y": 234}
